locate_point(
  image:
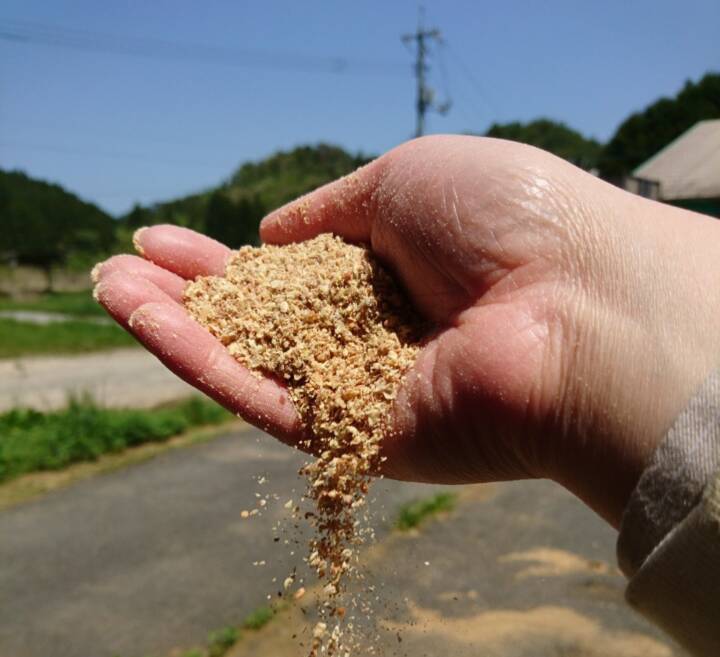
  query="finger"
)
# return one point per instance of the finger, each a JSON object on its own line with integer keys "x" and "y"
{"x": 168, "y": 282}
{"x": 345, "y": 207}
{"x": 121, "y": 294}
{"x": 191, "y": 352}
{"x": 181, "y": 251}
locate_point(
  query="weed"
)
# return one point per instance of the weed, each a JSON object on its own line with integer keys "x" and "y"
{"x": 258, "y": 618}
{"x": 413, "y": 514}
{"x": 31, "y": 440}
{"x": 220, "y": 641}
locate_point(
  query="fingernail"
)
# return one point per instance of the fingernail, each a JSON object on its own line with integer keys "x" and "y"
{"x": 136, "y": 240}
{"x": 98, "y": 292}
{"x": 96, "y": 271}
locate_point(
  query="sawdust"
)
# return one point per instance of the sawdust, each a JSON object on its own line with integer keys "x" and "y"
{"x": 325, "y": 318}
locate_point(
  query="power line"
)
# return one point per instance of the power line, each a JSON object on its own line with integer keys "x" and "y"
{"x": 37, "y": 34}
{"x": 425, "y": 98}
{"x": 473, "y": 81}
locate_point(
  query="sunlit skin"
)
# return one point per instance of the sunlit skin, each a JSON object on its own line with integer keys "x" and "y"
{"x": 574, "y": 320}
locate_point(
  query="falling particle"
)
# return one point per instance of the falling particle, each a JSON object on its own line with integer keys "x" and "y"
{"x": 331, "y": 324}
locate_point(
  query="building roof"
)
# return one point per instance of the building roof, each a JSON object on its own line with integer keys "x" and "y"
{"x": 689, "y": 166}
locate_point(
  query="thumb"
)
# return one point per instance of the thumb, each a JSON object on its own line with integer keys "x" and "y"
{"x": 345, "y": 207}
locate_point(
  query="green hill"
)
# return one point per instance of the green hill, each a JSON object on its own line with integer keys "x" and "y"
{"x": 552, "y": 136}
{"x": 232, "y": 211}
{"x": 44, "y": 225}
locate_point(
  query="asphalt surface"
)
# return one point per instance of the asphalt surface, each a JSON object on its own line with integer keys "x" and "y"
{"x": 153, "y": 557}
{"x": 516, "y": 570}
{"x": 121, "y": 377}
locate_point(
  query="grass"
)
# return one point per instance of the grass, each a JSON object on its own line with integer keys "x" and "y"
{"x": 415, "y": 513}
{"x": 79, "y": 304}
{"x": 259, "y": 617}
{"x": 220, "y": 641}
{"x": 35, "y": 484}
{"x": 74, "y": 336}
{"x": 32, "y": 441}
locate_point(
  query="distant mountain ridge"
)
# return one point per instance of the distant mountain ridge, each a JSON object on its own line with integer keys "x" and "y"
{"x": 43, "y": 224}
{"x": 232, "y": 211}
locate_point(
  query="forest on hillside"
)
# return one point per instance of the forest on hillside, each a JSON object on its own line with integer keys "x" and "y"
{"x": 46, "y": 226}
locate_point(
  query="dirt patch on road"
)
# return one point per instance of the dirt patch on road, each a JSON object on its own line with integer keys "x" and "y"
{"x": 548, "y": 630}
{"x": 553, "y": 562}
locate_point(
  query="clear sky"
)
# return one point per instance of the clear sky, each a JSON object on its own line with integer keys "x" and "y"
{"x": 145, "y": 101}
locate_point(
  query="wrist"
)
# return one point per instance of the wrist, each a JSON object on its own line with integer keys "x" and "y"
{"x": 644, "y": 343}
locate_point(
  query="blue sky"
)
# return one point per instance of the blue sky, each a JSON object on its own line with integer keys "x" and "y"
{"x": 117, "y": 128}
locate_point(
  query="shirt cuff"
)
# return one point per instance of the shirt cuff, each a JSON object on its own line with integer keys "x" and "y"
{"x": 673, "y": 482}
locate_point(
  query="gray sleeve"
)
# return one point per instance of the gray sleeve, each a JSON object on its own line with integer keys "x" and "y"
{"x": 669, "y": 542}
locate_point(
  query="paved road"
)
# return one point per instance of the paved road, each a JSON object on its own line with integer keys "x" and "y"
{"x": 155, "y": 556}
{"x": 519, "y": 569}
{"x": 150, "y": 557}
{"x": 122, "y": 377}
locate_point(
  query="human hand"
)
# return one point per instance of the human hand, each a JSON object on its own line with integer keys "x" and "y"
{"x": 572, "y": 329}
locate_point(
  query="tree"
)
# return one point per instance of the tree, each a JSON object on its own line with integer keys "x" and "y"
{"x": 233, "y": 223}
{"x": 645, "y": 133}
{"x": 552, "y": 136}
{"x": 43, "y": 225}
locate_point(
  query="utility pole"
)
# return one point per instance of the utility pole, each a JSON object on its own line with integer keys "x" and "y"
{"x": 425, "y": 95}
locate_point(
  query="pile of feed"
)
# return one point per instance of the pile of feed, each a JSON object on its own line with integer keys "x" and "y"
{"x": 329, "y": 321}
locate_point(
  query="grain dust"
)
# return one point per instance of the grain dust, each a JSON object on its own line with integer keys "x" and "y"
{"x": 324, "y": 317}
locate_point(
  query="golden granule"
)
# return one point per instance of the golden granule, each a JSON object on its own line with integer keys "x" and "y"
{"x": 324, "y": 317}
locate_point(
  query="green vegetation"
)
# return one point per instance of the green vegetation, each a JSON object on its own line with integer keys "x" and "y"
{"x": 415, "y": 513}
{"x": 258, "y": 618}
{"x": 44, "y": 225}
{"x": 644, "y": 133}
{"x": 32, "y": 441}
{"x": 231, "y": 212}
{"x": 80, "y": 304}
{"x": 220, "y": 641}
{"x": 638, "y": 138}
{"x": 25, "y": 338}
{"x": 551, "y": 136}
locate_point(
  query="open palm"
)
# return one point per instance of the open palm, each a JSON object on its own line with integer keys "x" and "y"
{"x": 494, "y": 243}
